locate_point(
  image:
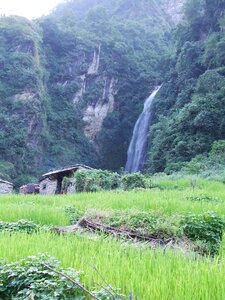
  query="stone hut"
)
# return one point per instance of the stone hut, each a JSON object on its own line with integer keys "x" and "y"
{"x": 30, "y": 188}
{"x": 60, "y": 181}
{"x": 5, "y": 187}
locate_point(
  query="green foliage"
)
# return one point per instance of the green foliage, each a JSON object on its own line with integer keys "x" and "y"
{"x": 74, "y": 214}
{"x": 29, "y": 278}
{"x": 207, "y": 228}
{"x": 211, "y": 165}
{"x": 148, "y": 223}
{"x": 132, "y": 181}
{"x": 95, "y": 180}
{"x": 7, "y": 170}
{"x": 21, "y": 225}
{"x": 189, "y": 109}
{"x": 205, "y": 198}
{"x": 22, "y": 96}
{"x": 218, "y": 148}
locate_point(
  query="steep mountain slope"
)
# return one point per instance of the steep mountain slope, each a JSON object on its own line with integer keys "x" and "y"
{"x": 73, "y": 84}
{"x": 166, "y": 11}
{"x": 189, "y": 109}
{"x": 114, "y": 51}
{"x": 22, "y": 96}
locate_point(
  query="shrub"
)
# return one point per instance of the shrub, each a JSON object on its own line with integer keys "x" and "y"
{"x": 95, "y": 180}
{"x": 21, "y": 225}
{"x": 207, "y": 228}
{"x": 142, "y": 221}
{"x": 147, "y": 223}
{"x": 73, "y": 213}
{"x": 132, "y": 181}
{"x": 31, "y": 278}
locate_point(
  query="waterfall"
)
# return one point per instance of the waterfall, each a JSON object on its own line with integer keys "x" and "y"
{"x": 139, "y": 143}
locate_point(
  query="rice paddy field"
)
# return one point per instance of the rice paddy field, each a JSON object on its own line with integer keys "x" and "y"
{"x": 138, "y": 270}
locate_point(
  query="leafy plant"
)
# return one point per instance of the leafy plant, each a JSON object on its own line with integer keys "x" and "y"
{"x": 30, "y": 278}
{"x": 74, "y": 214}
{"x": 207, "y": 228}
{"x": 95, "y": 180}
{"x": 132, "y": 181}
{"x": 42, "y": 277}
{"x": 21, "y": 225}
{"x": 142, "y": 221}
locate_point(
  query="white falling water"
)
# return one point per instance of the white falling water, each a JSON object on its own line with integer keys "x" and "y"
{"x": 139, "y": 143}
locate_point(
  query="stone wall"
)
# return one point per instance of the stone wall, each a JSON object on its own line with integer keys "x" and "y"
{"x": 48, "y": 187}
{"x": 71, "y": 187}
{"x": 6, "y": 188}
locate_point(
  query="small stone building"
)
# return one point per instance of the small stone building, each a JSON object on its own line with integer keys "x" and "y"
{"x": 5, "y": 187}
{"x": 60, "y": 181}
{"x": 30, "y": 188}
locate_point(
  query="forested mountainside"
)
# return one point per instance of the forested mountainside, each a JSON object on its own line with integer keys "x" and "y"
{"x": 72, "y": 84}
{"x": 190, "y": 107}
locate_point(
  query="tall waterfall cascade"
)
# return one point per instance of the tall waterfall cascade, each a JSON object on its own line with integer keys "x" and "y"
{"x": 137, "y": 151}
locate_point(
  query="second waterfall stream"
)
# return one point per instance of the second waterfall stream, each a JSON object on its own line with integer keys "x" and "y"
{"x": 139, "y": 143}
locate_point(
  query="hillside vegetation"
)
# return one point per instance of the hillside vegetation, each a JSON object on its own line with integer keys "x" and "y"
{"x": 189, "y": 109}
{"x": 72, "y": 84}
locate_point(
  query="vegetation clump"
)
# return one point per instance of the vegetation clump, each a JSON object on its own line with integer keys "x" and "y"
{"x": 132, "y": 181}
{"x": 141, "y": 222}
{"x": 21, "y": 225}
{"x": 207, "y": 228}
{"x": 96, "y": 180}
{"x": 74, "y": 214}
{"x": 42, "y": 277}
{"x": 204, "y": 231}
{"x": 204, "y": 199}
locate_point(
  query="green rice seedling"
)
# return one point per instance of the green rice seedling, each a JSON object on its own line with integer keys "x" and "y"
{"x": 147, "y": 274}
{"x": 51, "y": 209}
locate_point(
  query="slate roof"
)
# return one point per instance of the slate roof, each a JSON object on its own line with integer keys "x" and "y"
{"x": 67, "y": 169}
{"x": 4, "y": 181}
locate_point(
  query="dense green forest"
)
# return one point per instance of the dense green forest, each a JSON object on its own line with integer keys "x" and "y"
{"x": 72, "y": 84}
{"x": 189, "y": 109}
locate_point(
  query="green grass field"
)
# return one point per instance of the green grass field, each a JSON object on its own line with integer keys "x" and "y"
{"x": 147, "y": 273}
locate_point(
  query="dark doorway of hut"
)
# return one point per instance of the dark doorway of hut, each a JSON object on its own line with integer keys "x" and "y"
{"x": 59, "y": 185}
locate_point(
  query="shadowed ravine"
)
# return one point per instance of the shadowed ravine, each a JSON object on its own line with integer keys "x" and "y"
{"x": 138, "y": 146}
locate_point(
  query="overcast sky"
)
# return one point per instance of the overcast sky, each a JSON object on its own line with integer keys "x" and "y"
{"x": 27, "y": 8}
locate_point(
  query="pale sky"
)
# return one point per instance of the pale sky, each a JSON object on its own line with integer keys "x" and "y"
{"x": 27, "y": 8}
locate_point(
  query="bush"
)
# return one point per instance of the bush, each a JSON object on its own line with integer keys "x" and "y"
{"x": 74, "y": 214}
{"x": 96, "y": 180}
{"x": 147, "y": 223}
{"x": 207, "y": 228}
{"x": 142, "y": 221}
{"x": 31, "y": 278}
{"x": 21, "y": 225}
{"x": 132, "y": 181}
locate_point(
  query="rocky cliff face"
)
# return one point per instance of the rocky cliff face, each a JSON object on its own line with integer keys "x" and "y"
{"x": 95, "y": 114}
{"x": 96, "y": 108}
{"x": 22, "y": 95}
{"x": 95, "y": 111}
{"x": 174, "y": 10}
